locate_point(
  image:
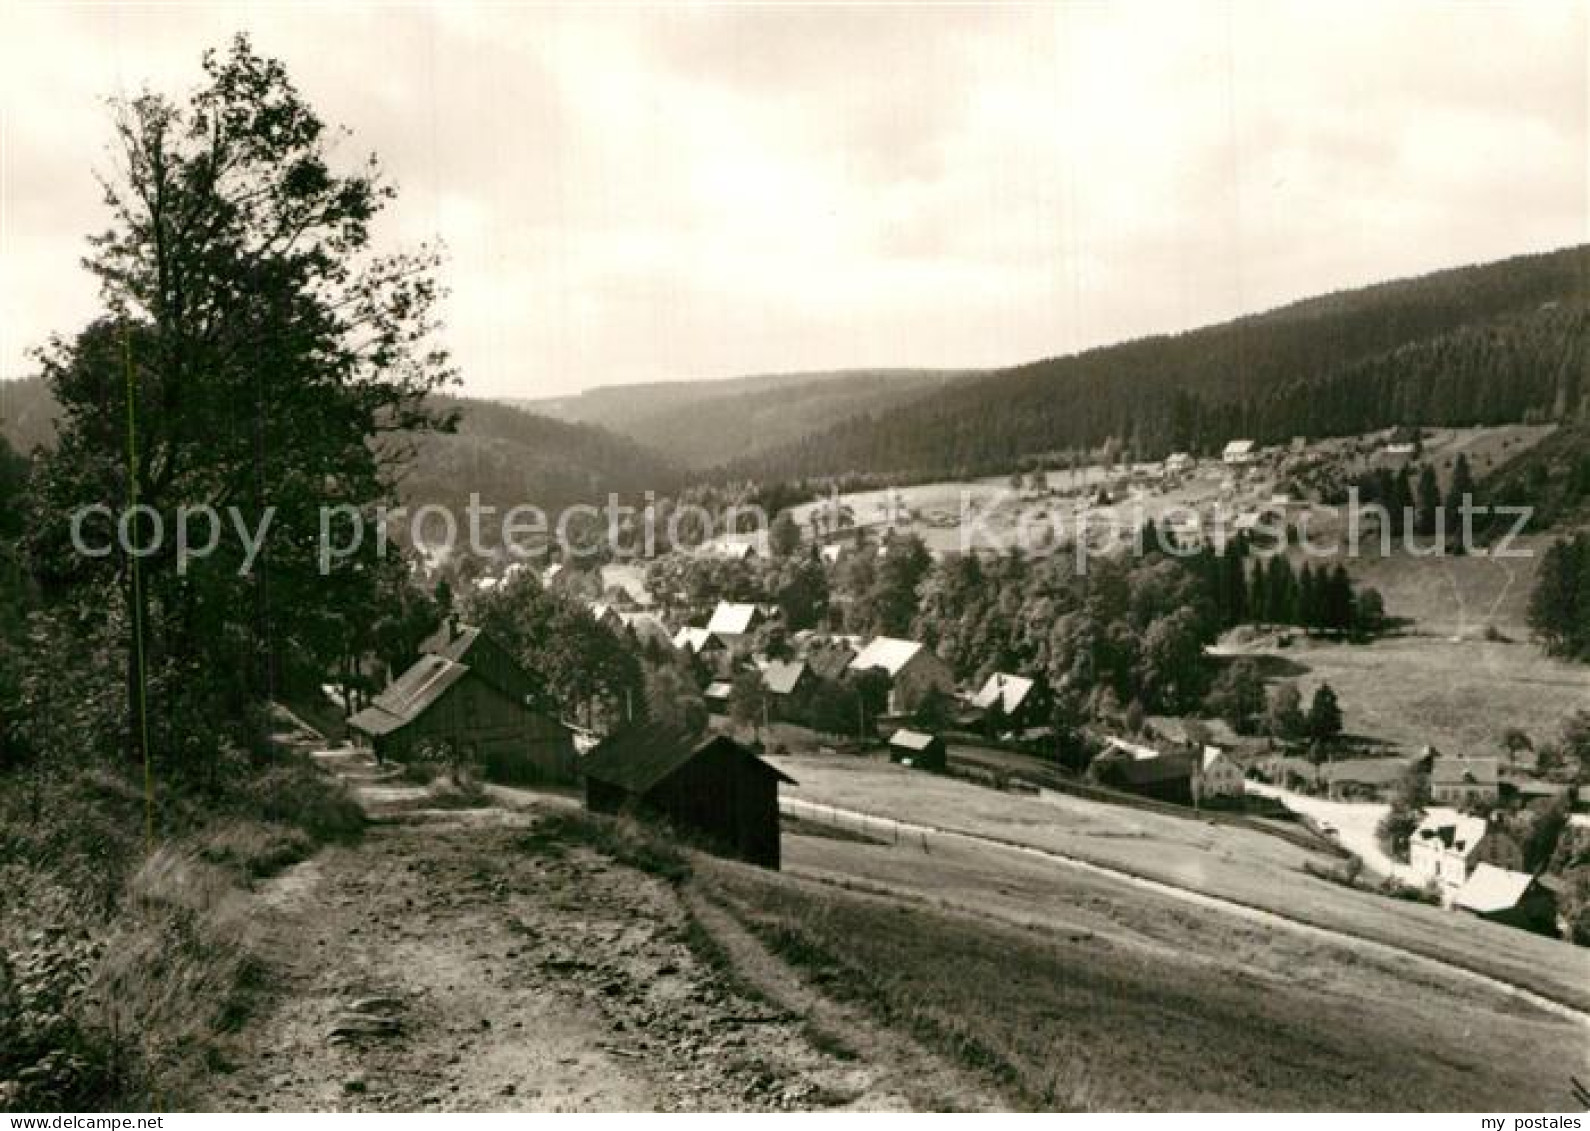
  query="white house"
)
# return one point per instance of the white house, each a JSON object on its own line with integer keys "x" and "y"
{"x": 1218, "y": 775}
{"x": 1446, "y": 849}
{"x": 1178, "y": 462}
{"x": 1240, "y": 452}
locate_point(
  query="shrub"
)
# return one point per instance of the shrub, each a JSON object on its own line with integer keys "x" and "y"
{"x": 50, "y": 1059}
{"x": 296, "y": 792}
{"x": 625, "y": 839}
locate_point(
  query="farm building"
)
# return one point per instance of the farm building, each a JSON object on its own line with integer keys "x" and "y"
{"x": 705, "y": 648}
{"x": 1178, "y": 462}
{"x": 1363, "y": 777}
{"x": 468, "y": 698}
{"x": 1446, "y": 849}
{"x": 1515, "y": 898}
{"x": 828, "y": 657}
{"x": 1463, "y": 781}
{"x": 714, "y": 789}
{"x": 1018, "y": 699}
{"x": 1164, "y": 777}
{"x": 919, "y": 750}
{"x": 912, "y": 669}
{"x": 1291, "y": 771}
{"x": 605, "y": 615}
{"x": 789, "y": 685}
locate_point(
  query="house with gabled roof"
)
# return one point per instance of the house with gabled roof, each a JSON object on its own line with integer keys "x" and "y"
{"x": 1219, "y": 775}
{"x": 733, "y": 623}
{"x": 789, "y": 684}
{"x": 1018, "y": 699}
{"x": 712, "y": 789}
{"x": 467, "y": 698}
{"x": 1464, "y": 781}
{"x": 913, "y": 669}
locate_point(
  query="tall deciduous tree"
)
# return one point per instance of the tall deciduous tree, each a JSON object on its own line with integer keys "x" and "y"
{"x": 253, "y": 352}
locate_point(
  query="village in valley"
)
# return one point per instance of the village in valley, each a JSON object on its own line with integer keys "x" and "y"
{"x": 1154, "y": 678}
{"x": 787, "y": 682}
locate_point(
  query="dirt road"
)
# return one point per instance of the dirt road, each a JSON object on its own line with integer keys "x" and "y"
{"x": 462, "y": 960}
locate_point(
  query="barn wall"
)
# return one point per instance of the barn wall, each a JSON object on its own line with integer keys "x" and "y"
{"x": 510, "y": 743}
{"x": 727, "y": 799}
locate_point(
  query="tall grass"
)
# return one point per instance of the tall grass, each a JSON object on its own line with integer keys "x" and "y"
{"x": 121, "y": 962}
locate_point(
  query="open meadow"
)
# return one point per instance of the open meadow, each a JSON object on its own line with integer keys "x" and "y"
{"x": 1075, "y": 992}
{"x": 1241, "y": 865}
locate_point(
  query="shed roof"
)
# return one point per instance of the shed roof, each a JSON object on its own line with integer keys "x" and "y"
{"x": 908, "y": 739}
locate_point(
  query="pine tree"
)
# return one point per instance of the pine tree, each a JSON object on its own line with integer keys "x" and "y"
{"x": 1460, "y": 490}
{"x": 1324, "y": 715}
{"x": 1308, "y": 599}
{"x": 1554, "y": 603}
{"x": 1428, "y": 504}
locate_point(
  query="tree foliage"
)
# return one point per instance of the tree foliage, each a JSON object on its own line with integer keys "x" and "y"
{"x": 252, "y": 345}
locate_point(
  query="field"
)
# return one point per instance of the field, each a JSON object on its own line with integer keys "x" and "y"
{"x": 1459, "y": 696}
{"x": 1241, "y": 865}
{"x": 1007, "y": 516}
{"x": 1075, "y": 993}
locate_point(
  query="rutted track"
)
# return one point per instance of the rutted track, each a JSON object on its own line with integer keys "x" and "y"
{"x": 798, "y": 807}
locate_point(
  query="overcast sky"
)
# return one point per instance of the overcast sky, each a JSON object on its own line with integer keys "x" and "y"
{"x": 700, "y": 191}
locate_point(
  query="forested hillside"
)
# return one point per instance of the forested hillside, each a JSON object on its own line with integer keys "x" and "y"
{"x": 510, "y": 456}
{"x": 1553, "y": 477}
{"x": 1503, "y": 341}
{"x": 704, "y": 424}
{"x": 507, "y": 455}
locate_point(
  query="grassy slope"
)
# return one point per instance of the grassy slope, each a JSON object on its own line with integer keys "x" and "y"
{"x": 1078, "y": 998}
{"x": 1232, "y": 863}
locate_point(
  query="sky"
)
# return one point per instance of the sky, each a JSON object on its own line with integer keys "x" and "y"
{"x": 633, "y": 193}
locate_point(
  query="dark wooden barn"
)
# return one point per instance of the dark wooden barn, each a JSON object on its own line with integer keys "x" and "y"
{"x": 1167, "y": 777}
{"x": 468, "y": 698}
{"x": 918, "y": 749}
{"x": 714, "y": 788}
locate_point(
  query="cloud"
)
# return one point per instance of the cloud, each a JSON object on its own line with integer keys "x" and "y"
{"x": 634, "y": 193}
